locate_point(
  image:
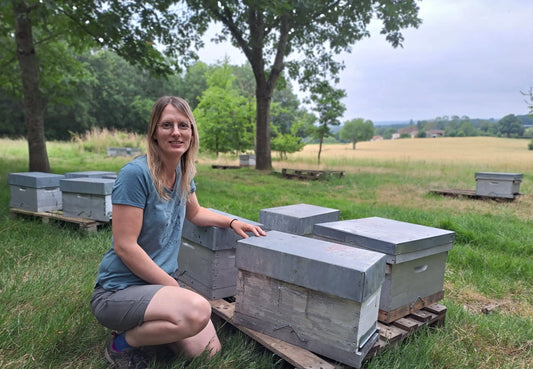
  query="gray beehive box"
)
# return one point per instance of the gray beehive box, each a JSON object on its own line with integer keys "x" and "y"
{"x": 416, "y": 257}
{"x": 89, "y": 174}
{"x": 87, "y": 197}
{"x": 247, "y": 160}
{"x": 505, "y": 185}
{"x": 123, "y": 151}
{"x": 35, "y": 191}
{"x": 314, "y": 294}
{"x": 207, "y": 258}
{"x": 296, "y": 219}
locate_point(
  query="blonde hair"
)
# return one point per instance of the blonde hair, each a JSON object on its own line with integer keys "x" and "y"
{"x": 153, "y": 152}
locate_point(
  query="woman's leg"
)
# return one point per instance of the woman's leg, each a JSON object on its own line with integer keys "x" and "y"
{"x": 179, "y": 317}
{"x": 196, "y": 345}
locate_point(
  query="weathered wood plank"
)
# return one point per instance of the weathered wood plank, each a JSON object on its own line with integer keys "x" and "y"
{"x": 407, "y": 324}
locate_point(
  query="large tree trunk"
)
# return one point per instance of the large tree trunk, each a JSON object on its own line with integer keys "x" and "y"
{"x": 33, "y": 105}
{"x": 262, "y": 133}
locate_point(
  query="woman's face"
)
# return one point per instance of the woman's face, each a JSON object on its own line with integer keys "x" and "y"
{"x": 173, "y": 132}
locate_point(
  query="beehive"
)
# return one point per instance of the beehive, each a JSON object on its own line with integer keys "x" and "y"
{"x": 314, "y": 294}
{"x": 416, "y": 256}
{"x": 87, "y": 197}
{"x": 35, "y": 191}
{"x": 296, "y": 219}
{"x": 206, "y": 259}
{"x": 505, "y": 185}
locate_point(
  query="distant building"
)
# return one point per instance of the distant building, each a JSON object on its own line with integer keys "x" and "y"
{"x": 377, "y": 138}
{"x": 433, "y": 133}
{"x": 411, "y": 131}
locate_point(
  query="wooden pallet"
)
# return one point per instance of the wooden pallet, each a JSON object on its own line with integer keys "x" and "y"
{"x": 225, "y": 166}
{"x": 390, "y": 316}
{"x": 395, "y": 332}
{"x": 392, "y": 333}
{"x": 472, "y": 195}
{"x": 309, "y": 174}
{"x": 86, "y": 225}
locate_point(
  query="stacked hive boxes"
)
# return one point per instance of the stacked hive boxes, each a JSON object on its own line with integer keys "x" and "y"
{"x": 206, "y": 259}
{"x": 314, "y": 294}
{"x": 88, "y": 198}
{"x": 35, "y": 191}
{"x": 292, "y": 287}
{"x": 416, "y": 259}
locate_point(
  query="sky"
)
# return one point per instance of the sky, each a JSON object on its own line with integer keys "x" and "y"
{"x": 468, "y": 58}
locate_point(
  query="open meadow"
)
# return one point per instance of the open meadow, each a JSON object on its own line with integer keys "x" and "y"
{"x": 47, "y": 270}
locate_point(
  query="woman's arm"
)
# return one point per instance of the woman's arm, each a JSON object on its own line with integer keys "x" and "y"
{"x": 203, "y": 217}
{"x": 127, "y": 223}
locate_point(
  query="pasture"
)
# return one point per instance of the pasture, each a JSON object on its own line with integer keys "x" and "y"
{"x": 47, "y": 271}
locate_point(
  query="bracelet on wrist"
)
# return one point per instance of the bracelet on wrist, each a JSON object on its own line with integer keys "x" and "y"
{"x": 230, "y": 223}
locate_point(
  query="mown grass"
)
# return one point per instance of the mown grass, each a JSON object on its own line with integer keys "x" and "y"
{"x": 47, "y": 271}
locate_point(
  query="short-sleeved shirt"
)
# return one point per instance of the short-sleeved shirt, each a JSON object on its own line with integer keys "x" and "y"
{"x": 162, "y": 225}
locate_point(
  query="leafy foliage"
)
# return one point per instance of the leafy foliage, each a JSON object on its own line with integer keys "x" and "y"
{"x": 224, "y": 117}
{"x": 356, "y": 130}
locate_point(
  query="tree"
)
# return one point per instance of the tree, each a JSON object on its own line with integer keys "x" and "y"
{"x": 268, "y": 32}
{"x": 285, "y": 143}
{"x": 223, "y": 115}
{"x": 510, "y": 125}
{"x": 133, "y": 31}
{"x": 356, "y": 130}
{"x": 327, "y": 100}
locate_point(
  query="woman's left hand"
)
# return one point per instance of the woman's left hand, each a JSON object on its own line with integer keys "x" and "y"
{"x": 241, "y": 228}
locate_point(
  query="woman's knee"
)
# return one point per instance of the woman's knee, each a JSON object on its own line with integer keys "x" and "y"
{"x": 187, "y": 311}
{"x": 199, "y": 313}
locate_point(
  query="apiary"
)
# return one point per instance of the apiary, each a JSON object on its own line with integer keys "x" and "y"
{"x": 87, "y": 197}
{"x": 505, "y": 185}
{"x": 296, "y": 219}
{"x": 416, "y": 257}
{"x": 206, "y": 259}
{"x": 35, "y": 191}
{"x": 314, "y": 294}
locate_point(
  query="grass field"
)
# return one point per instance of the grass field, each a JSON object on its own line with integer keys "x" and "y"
{"x": 47, "y": 271}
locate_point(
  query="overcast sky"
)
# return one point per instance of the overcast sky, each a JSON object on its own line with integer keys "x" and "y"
{"x": 468, "y": 57}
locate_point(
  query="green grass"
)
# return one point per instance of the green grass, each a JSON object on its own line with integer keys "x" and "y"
{"x": 47, "y": 271}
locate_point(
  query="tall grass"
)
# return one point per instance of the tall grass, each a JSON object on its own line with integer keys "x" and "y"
{"x": 47, "y": 271}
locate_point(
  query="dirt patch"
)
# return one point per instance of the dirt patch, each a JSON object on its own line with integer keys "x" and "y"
{"x": 477, "y": 303}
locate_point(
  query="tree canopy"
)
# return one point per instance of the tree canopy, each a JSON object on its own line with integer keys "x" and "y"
{"x": 356, "y": 130}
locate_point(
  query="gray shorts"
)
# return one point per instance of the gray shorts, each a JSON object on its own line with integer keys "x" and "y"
{"x": 124, "y": 309}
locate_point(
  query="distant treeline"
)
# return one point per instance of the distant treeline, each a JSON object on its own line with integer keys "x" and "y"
{"x": 455, "y": 126}
{"x": 107, "y": 92}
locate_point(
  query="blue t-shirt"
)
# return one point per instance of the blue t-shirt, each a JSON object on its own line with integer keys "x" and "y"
{"x": 162, "y": 225}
